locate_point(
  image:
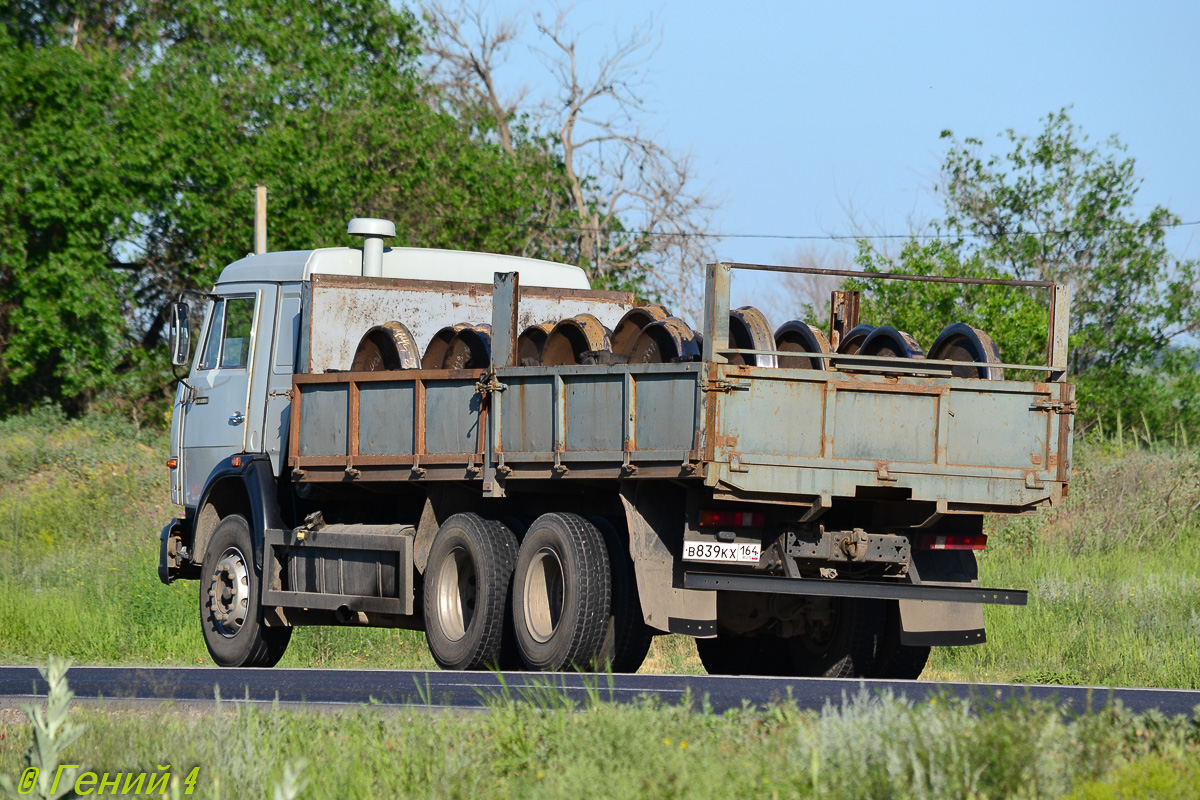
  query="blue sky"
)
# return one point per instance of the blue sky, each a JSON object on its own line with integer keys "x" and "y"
{"x": 794, "y": 110}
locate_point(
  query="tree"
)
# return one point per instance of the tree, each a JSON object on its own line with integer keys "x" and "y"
{"x": 1054, "y": 208}
{"x": 1015, "y": 318}
{"x": 134, "y": 134}
{"x": 635, "y": 215}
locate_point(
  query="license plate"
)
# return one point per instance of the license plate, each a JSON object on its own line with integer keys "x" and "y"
{"x": 715, "y": 551}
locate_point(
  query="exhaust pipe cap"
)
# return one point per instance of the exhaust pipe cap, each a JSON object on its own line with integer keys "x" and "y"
{"x": 365, "y": 226}
{"x": 374, "y": 232}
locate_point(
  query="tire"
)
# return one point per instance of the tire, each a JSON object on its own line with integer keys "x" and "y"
{"x": 562, "y": 594}
{"x": 466, "y": 598}
{"x": 230, "y": 596}
{"x": 743, "y": 655}
{"x": 846, "y": 646}
{"x": 628, "y": 637}
{"x": 895, "y": 660}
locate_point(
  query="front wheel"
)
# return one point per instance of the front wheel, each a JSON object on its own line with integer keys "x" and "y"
{"x": 230, "y": 591}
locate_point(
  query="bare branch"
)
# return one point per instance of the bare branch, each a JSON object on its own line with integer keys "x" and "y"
{"x": 466, "y": 50}
{"x": 634, "y": 205}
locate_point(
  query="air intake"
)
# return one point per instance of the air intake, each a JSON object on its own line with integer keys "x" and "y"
{"x": 373, "y": 231}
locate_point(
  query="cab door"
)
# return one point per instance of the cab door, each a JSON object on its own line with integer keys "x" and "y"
{"x": 222, "y": 415}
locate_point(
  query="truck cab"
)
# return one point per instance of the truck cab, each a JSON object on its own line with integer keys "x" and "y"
{"x": 235, "y": 401}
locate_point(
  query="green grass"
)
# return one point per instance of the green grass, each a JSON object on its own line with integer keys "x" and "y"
{"x": 1114, "y": 575}
{"x": 1114, "y": 580}
{"x": 81, "y": 505}
{"x": 870, "y": 747}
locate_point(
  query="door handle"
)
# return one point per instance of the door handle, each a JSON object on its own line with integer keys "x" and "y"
{"x": 236, "y": 418}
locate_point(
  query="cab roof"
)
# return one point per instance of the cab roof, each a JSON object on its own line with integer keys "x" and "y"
{"x": 404, "y": 262}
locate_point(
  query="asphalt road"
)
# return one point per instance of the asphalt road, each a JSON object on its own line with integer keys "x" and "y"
{"x": 331, "y": 688}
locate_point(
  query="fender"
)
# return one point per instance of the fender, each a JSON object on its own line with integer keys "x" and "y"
{"x": 254, "y": 474}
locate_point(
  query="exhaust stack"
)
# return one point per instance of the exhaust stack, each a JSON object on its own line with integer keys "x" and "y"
{"x": 373, "y": 231}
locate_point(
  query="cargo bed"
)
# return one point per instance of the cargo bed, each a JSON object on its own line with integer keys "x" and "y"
{"x": 876, "y": 427}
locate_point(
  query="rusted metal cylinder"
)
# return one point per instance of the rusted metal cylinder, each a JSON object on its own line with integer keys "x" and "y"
{"x": 531, "y": 342}
{"x": 630, "y": 326}
{"x": 665, "y": 341}
{"x": 800, "y": 337}
{"x": 750, "y": 330}
{"x": 435, "y": 352}
{"x": 887, "y": 341}
{"x": 572, "y": 338}
{"x": 853, "y": 340}
{"x": 961, "y": 342}
{"x": 470, "y": 348}
{"x": 386, "y": 347}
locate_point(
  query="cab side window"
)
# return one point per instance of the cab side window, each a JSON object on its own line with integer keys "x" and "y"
{"x": 228, "y": 344}
{"x": 216, "y": 328}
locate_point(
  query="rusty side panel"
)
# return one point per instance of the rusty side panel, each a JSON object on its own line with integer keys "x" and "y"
{"x": 348, "y": 306}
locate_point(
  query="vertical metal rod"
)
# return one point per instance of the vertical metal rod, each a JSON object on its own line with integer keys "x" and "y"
{"x": 505, "y": 294}
{"x": 1060, "y": 322}
{"x": 716, "y": 311}
{"x": 843, "y": 315}
{"x": 260, "y": 219}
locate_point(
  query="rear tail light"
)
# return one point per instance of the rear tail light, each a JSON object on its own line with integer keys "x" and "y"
{"x": 954, "y": 541}
{"x": 172, "y": 463}
{"x": 732, "y": 519}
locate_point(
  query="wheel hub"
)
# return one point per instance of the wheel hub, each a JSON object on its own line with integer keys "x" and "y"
{"x": 457, "y": 593}
{"x": 544, "y": 595}
{"x": 229, "y": 593}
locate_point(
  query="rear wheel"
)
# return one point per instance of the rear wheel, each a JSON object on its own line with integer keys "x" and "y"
{"x": 466, "y": 596}
{"x": 562, "y": 593}
{"x": 230, "y": 593}
{"x": 841, "y": 642}
{"x": 743, "y": 655}
{"x": 628, "y": 637}
{"x": 896, "y": 660}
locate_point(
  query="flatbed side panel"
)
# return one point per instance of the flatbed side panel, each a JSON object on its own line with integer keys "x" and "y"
{"x": 388, "y": 419}
{"x": 346, "y": 307}
{"x": 620, "y": 414}
{"x": 973, "y": 443}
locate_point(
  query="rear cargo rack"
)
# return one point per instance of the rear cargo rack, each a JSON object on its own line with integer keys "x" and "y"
{"x": 716, "y": 322}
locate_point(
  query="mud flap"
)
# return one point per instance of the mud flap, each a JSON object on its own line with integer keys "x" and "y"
{"x": 934, "y": 623}
{"x": 664, "y": 606}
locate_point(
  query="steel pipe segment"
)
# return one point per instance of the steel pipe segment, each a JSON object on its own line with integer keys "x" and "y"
{"x": 530, "y": 344}
{"x": 572, "y": 338}
{"x": 665, "y": 341}
{"x": 630, "y": 326}
{"x": 435, "y": 353}
{"x": 887, "y": 341}
{"x": 961, "y": 342}
{"x": 750, "y": 330}
{"x": 389, "y": 346}
{"x": 800, "y": 337}
{"x": 852, "y": 342}
{"x": 471, "y": 348}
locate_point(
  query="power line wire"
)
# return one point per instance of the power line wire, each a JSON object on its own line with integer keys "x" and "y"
{"x": 775, "y": 236}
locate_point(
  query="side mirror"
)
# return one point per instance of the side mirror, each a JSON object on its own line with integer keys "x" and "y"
{"x": 181, "y": 339}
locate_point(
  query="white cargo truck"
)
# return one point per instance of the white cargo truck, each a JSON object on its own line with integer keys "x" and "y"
{"x": 543, "y": 476}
